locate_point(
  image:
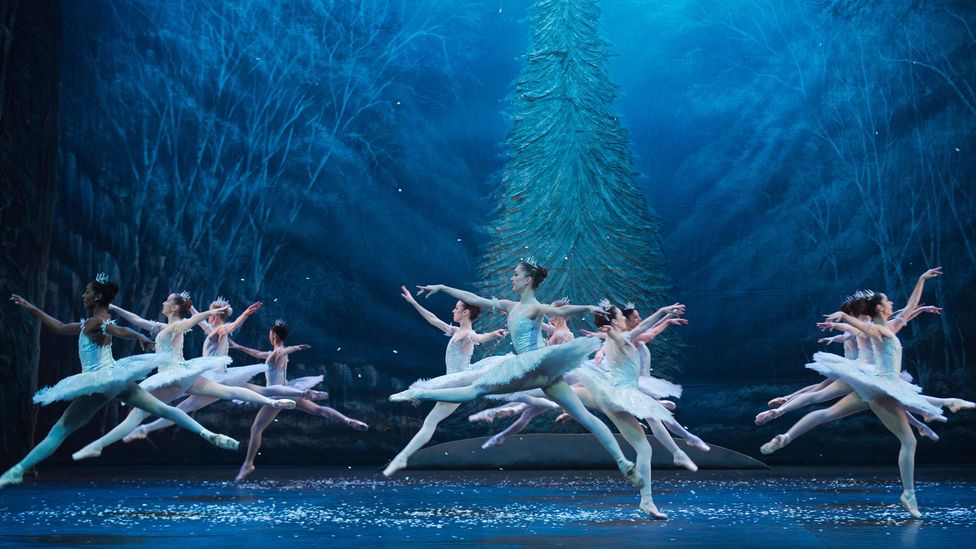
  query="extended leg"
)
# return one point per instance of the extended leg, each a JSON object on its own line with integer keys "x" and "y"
{"x": 893, "y": 417}
{"x": 561, "y": 393}
{"x": 681, "y": 459}
{"x": 834, "y": 390}
{"x": 189, "y": 404}
{"x": 517, "y": 426}
{"x": 314, "y": 409}
{"x": 135, "y": 417}
{"x": 440, "y": 412}
{"x": 846, "y": 406}
{"x": 263, "y": 418}
{"x": 207, "y": 387}
{"x": 681, "y": 432}
{"x": 78, "y": 413}
{"x": 634, "y": 435}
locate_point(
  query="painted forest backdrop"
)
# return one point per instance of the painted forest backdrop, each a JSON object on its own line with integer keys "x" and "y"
{"x": 317, "y": 155}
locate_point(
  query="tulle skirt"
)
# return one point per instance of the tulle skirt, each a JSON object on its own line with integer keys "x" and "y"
{"x": 184, "y": 374}
{"x": 462, "y": 378}
{"x": 869, "y": 384}
{"x": 237, "y": 375}
{"x": 658, "y": 388}
{"x": 540, "y": 367}
{"x": 621, "y": 398}
{"x": 305, "y": 383}
{"x": 109, "y": 380}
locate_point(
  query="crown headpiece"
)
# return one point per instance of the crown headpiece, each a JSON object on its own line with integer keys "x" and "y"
{"x": 101, "y": 278}
{"x": 629, "y": 305}
{"x": 531, "y": 261}
{"x": 280, "y": 322}
{"x": 221, "y": 301}
{"x": 605, "y": 304}
{"x": 185, "y": 294}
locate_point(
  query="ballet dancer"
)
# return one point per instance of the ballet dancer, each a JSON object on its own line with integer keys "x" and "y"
{"x": 102, "y": 378}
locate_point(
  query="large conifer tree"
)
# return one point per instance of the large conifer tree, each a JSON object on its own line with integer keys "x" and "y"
{"x": 567, "y": 195}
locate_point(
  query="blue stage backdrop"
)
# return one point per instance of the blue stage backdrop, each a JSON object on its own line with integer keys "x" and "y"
{"x": 757, "y": 160}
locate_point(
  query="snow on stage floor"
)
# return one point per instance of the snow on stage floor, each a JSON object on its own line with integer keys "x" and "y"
{"x": 808, "y": 507}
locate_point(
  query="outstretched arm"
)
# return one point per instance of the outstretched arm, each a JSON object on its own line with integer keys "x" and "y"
{"x": 127, "y": 333}
{"x": 430, "y": 317}
{"x": 481, "y": 338}
{"x": 674, "y": 310}
{"x": 63, "y": 328}
{"x": 916, "y": 297}
{"x": 840, "y": 338}
{"x": 565, "y": 310}
{"x": 204, "y": 325}
{"x": 189, "y": 323}
{"x": 900, "y": 321}
{"x": 260, "y": 355}
{"x": 660, "y": 327}
{"x": 843, "y": 321}
{"x": 467, "y": 297}
{"x": 134, "y": 319}
{"x": 231, "y": 326}
{"x": 294, "y": 348}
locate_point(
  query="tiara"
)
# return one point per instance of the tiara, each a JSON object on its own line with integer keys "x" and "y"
{"x": 101, "y": 278}
{"x": 629, "y": 305}
{"x": 185, "y": 294}
{"x": 221, "y": 301}
{"x": 605, "y": 304}
{"x": 280, "y": 322}
{"x": 531, "y": 261}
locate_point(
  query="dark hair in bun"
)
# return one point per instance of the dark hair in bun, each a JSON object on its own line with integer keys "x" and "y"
{"x": 281, "y": 329}
{"x": 473, "y": 310}
{"x": 537, "y": 273}
{"x": 106, "y": 291}
{"x": 606, "y": 317}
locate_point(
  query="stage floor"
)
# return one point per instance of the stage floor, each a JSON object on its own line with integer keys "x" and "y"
{"x": 785, "y": 507}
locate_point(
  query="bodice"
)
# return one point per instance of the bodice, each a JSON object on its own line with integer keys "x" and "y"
{"x": 277, "y": 373}
{"x": 457, "y": 355}
{"x": 888, "y": 355}
{"x": 526, "y": 333}
{"x": 170, "y": 343}
{"x": 92, "y": 355}
{"x": 216, "y": 343}
{"x": 623, "y": 364}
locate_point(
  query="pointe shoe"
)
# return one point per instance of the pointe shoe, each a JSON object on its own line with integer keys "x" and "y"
{"x": 681, "y": 459}
{"x": 244, "y": 472}
{"x": 492, "y": 442}
{"x": 564, "y": 418}
{"x": 87, "y": 452}
{"x": 651, "y": 510}
{"x": 394, "y": 466}
{"x": 776, "y": 402}
{"x": 312, "y": 394}
{"x": 907, "y": 501}
{"x": 14, "y": 475}
{"x": 956, "y": 404}
{"x": 139, "y": 433}
{"x": 765, "y": 417}
{"x": 357, "y": 425}
{"x": 284, "y": 404}
{"x": 698, "y": 444}
{"x": 926, "y": 431}
{"x": 405, "y": 396}
{"x": 221, "y": 441}
{"x": 778, "y": 443}
{"x": 669, "y": 405}
{"x": 629, "y": 469}
{"x": 484, "y": 416}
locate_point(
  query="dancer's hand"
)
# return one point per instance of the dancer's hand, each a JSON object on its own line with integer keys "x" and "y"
{"x": 147, "y": 345}
{"x": 676, "y": 309}
{"x": 303, "y": 347}
{"x": 833, "y": 317}
{"x": 929, "y": 309}
{"x": 406, "y": 295}
{"x": 21, "y": 302}
{"x": 219, "y": 310}
{"x": 252, "y": 309}
{"x": 824, "y": 326}
{"x": 588, "y": 333}
{"x": 677, "y": 321}
{"x": 931, "y": 273}
{"x": 499, "y": 333}
{"x": 560, "y": 302}
{"x": 596, "y": 309}
{"x": 430, "y": 289}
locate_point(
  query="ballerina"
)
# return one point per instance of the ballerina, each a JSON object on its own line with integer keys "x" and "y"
{"x": 533, "y": 365}
{"x": 176, "y": 375}
{"x": 102, "y": 378}
{"x": 857, "y": 347}
{"x": 881, "y": 389}
{"x": 617, "y": 394}
{"x": 217, "y": 343}
{"x": 457, "y": 358}
{"x": 277, "y": 375}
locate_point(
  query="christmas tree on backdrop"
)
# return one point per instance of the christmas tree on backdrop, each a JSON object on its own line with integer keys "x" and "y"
{"x": 568, "y": 196}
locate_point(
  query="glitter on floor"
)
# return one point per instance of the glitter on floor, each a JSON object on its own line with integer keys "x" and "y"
{"x": 801, "y": 507}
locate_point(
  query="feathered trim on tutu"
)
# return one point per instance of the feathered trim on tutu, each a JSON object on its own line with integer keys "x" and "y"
{"x": 546, "y": 364}
{"x": 305, "y": 383}
{"x": 463, "y": 378}
{"x": 236, "y": 376}
{"x": 658, "y": 388}
{"x": 185, "y": 373}
{"x": 612, "y": 398}
{"x": 864, "y": 378}
{"x": 109, "y": 380}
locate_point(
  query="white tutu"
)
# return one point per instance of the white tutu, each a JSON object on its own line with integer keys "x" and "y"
{"x": 462, "y": 378}
{"x": 869, "y": 384}
{"x": 541, "y": 367}
{"x": 658, "y": 388}
{"x": 305, "y": 383}
{"x": 184, "y": 374}
{"x": 109, "y": 379}
{"x": 621, "y": 398}
{"x": 236, "y": 376}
